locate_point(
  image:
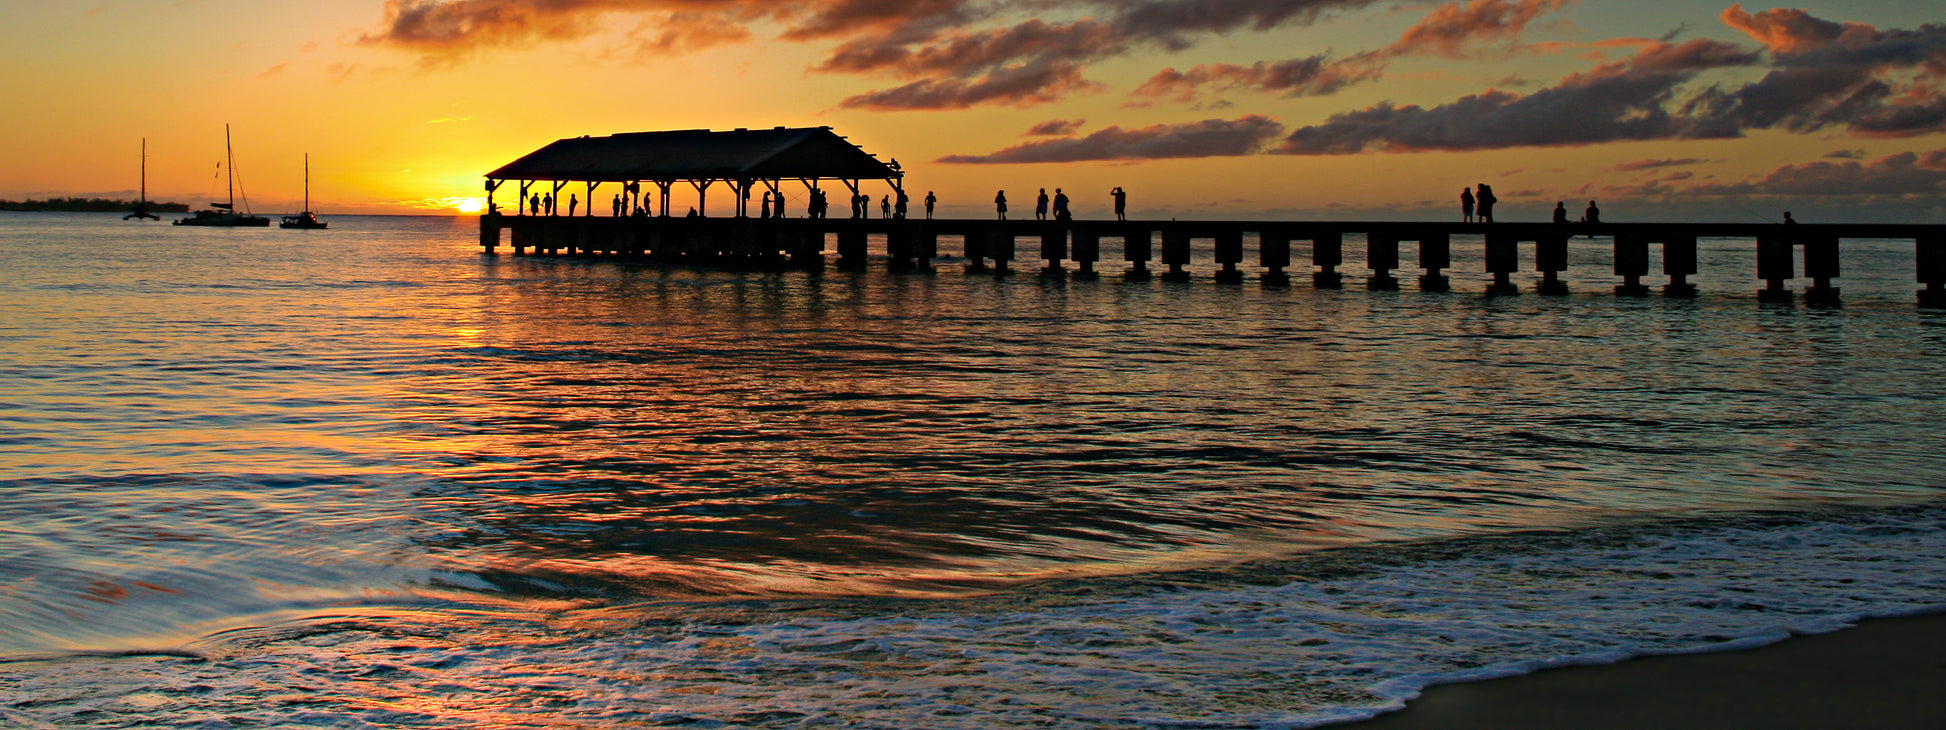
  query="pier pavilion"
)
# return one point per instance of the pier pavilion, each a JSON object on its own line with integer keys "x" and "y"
{"x": 744, "y": 159}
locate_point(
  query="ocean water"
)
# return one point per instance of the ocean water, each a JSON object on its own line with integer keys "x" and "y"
{"x": 365, "y": 477}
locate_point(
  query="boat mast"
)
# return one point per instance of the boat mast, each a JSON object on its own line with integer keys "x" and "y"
{"x": 307, "y": 182}
{"x": 145, "y": 170}
{"x": 230, "y": 155}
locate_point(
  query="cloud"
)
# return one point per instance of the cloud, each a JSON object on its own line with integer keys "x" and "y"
{"x": 1055, "y": 128}
{"x": 1450, "y": 30}
{"x": 1845, "y": 155}
{"x": 1207, "y": 138}
{"x": 277, "y": 70}
{"x": 1314, "y": 76}
{"x": 1870, "y": 82}
{"x": 1905, "y": 173}
{"x": 1639, "y": 165}
{"x": 1017, "y": 86}
{"x": 943, "y": 53}
{"x": 1617, "y": 101}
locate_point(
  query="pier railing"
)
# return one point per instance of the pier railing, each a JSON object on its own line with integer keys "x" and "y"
{"x": 992, "y": 245}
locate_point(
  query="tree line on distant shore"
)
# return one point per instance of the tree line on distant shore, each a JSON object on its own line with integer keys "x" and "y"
{"x": 103, "y": 205}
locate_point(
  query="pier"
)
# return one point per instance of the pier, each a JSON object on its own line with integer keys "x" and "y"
{"x": 640, "y": 226}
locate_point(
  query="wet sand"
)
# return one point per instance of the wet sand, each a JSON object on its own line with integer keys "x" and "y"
{"x": 1885, "y": 673}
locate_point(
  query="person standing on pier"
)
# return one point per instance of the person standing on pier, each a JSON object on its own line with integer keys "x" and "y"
{"x": 534, "y": 203}
{"x": 1000, "y": 204}
{"x": 547, "y": 203}
{"x": 777, "y": 208}
{"x": 1561, "y": 212}
{"x": 1121, "y": 203}
{"x": 766, "y": 208}
{"x": 930, "y": 201}
{"x": 616, "y": 205}
{"x": 885, "y": 207}
{"x": 1061, "y": 206}
{"x": 572, "y": 202}
{"x": 1040, "y": 206}
{"x": 1487, "y": 199}
{"x": 1592, "y": 216}
{"x": 1788, "y": 220}
{"x": 899, "y": 207}
{"x": 1466, "y": 205}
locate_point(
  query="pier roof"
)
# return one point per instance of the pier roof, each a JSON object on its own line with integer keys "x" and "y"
{"x": 700, "y": 154}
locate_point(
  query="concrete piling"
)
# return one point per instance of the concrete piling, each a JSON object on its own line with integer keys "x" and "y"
{"x": 1087, "y": 250}
{"x": 1175, "y": 254}
{"x": 1929, "y": 255}
{"x": 1274, "y": 254}
{"x": 1435, "y": 255}
{"x": 1382, "y": 256}
{"x": 1136, "y": 247}
{"x": 1229, "y": 253}
{"x": 1774, "y": 266}
{"x": 1502, "y": 258}
{"x": 1551, "y": 258}
{"x": 1328, "y": 253}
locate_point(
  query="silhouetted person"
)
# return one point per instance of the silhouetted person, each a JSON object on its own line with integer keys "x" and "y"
{"x": 1593, "y": 215}
{"x": 1040, "y": 206}
{"x": 1466, "y": 205}
{"x": 641, "y": 212}
{"x": 547, "y": 202}
{"x": 1121, "y": 203}
{"x": 1061, "y": 206}
{"x": 930, "y": 201}
{"x": 1487, "y": 200}
{"x": 885, "y": 207}
{"x": 1788, "y": 220}
{"x": 693, "y": 213}
{"x": 572, "y": 202}
{"x": 534, "y": 203}
{"x": 1561, "y": 212}
{"x": 1000, "y": 204}
{"x": 766, "y": 208}
{"x": 899, "y": 206}
{"x": 777, "y": 206}
{"x": 616, "y": 205}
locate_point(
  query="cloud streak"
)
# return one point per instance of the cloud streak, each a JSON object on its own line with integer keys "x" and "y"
{"x": 1206, "y": 138}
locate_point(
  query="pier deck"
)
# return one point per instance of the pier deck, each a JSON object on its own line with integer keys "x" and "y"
{"x": 994, "y": 244}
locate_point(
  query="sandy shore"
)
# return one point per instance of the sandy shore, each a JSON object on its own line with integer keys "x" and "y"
{"x": 1887, "y": 673}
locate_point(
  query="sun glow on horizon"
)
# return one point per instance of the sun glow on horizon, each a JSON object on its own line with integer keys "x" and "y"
{"x": 470, "y": 205}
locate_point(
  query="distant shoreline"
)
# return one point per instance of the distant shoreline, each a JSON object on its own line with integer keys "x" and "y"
{"x": 89, "y": 205}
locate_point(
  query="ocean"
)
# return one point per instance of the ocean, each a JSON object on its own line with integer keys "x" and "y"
{"x": 366, "y": 477}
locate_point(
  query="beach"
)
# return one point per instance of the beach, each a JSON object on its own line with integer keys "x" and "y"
{"x": 1884, "y": 673}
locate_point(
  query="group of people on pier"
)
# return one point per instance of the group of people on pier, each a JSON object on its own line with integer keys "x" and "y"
{"x": 1479, "y": 208}
{"x": 1059, "y": 205}
{"x": 632, "y": 202}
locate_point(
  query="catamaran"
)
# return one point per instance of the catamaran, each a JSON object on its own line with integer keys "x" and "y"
{"x": 224, "y": 214}
{"x": 306, "y": 219}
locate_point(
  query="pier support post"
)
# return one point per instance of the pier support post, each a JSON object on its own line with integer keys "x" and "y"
{"x": 925, "y": 245}
{"x": 1502, "y": 258}
{"x": 489, "y": 233}
{"x": 1929, "y": 256}
{"x": 1274, "y": 254}
{"x": 1821, "y": 265}
{"x": 974, "y": 247}
{"x": 522, "y": 238}
{"x": 1631, "y": 263}
{"x": 1175, "y": 253}
{"x": 1054, "y": 250}
{"x": 1137, "y": 248}
{"x": 1679, "y": 263}
{"x": 851, "y": 246}
{"x": 1382, "y": 256}
{"x": 1435, "y": 255}
{"x": 898, "y": 247}
{"x": 1087, "y": 250}
{"x": 1229, "y": 253}
{"x": 1551, "y": 258}
{"x": 1000, "y": 247}
{"x": 1774, "y": 266}
{"x": 1328, "y": 252}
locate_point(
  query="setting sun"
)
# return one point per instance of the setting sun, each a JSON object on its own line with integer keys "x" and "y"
{"x": 470, "y": 205}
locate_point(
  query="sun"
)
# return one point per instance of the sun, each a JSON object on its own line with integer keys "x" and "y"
{"x": 470, "y": 205}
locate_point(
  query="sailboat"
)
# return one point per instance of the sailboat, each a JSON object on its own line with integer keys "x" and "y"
{"x": 142, "y": 205}
{"x": 306, "y": 219}
{"x": 224, "y": 214}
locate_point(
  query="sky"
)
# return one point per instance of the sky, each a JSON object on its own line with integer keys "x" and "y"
{"x": 1301, "y": 109}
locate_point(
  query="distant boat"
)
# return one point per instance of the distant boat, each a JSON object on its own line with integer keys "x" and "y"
{"x": 224, "y": 214}
{"x": 142, "y": 204}
{"x": 306, "y": 219}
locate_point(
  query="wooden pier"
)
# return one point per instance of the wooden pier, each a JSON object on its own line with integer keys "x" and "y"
{"x": 994, "y": 245}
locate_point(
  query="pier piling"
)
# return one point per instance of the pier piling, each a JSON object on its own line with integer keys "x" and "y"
{"x": 1502, "y": 258}
{"x": 1054, "y": 250}
{"x": 1274, "y": 254}
{"x": 1821, "y": 266}
{"x": 1929, "y": 253}
{"x": 1087, "y": 250}
{"x": 1774, "y": 266}
{"x": 1328, "y": 253}
{"x": 1175, "y": 254}
{"x": 1137, "y": 243}
{"x": 1631, "y": 263}
{"x": 1679, "y": 263}
{"x": 1551, "y": 258}
{"x": 1435, "y": 255}
{"x": 1229, "y": 253}
{"x": 1382, "y": 256}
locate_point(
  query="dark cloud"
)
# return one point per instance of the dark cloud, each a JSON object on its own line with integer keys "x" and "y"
{"x": 1314, "y": 76}
{"x": 1450, "y": 30}
{"x": 1017, "y": 86}
{"x": 1639, "y": 165}
{"x": 1845, "y": 155}
{"x": 1207, "y": 138}
{"x": 1870, "y": 82}
{"x": 1624, "y": 100}
{"x": 1905, "y": 173}
{"x": 1056, "y": 128}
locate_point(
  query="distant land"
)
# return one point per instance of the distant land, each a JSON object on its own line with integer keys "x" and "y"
{"x": 91, "y": 205}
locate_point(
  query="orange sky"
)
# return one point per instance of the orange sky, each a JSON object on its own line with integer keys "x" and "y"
{"x": 1201, "y": 108}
